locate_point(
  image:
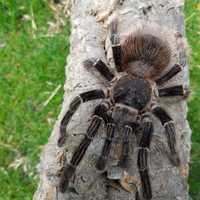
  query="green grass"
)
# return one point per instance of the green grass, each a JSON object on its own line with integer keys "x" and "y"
{"x": 192, "y": 11}
{"x": 30, "y": 70}
{"x": 32, "y": 66}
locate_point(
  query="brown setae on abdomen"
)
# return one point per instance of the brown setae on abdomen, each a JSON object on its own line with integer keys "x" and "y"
{"x": 145, "y": 55}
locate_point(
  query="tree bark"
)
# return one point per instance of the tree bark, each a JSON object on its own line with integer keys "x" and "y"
{"x": 89, "y": 38}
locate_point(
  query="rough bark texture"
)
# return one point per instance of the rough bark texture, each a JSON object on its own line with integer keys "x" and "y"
{"x": 88, "y": 38}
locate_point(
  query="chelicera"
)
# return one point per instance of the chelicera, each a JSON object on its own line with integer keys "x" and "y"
{"x": 140, "y": 60}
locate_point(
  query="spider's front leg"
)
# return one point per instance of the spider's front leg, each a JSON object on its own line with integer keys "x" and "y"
{"x": 143, "y": 152}
{"x": 128, "y": 130}
{"x": 92, "y": 130}
{"x": 74, "y": 105}
{"x": 116, "y": 46}
{"x": 110, "y": 131}
{"x": 168, "y": 124}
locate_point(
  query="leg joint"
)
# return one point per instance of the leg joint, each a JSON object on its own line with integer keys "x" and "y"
{"x": 168, "y": 123}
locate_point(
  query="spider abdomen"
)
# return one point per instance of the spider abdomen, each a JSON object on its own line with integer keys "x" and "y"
{"x": 145, "y": 55}
{"x": 134, "y": 92}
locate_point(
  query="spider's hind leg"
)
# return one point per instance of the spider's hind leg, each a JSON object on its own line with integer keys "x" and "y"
{"x": 80, "y": 151}
{"x": 100, "y": 66}
{"x": 116, "y": 46}
{"x": 178, "y": 90}
{"x": 170, "y": 74}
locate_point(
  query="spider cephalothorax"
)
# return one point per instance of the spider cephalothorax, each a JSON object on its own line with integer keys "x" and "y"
{"x": 140, "y": 60}
{"x": 132, "y": 91}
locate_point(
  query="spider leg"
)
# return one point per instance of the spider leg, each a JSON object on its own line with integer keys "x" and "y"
{"x": 128, "y": 129}
{"x": 79, "y": 153}
{"x": 142, "y": 161}
{"x": 116, "y": 46}
{"x": 74, "y": 105}
{"x": 168, "y": 124}
{"x": 110, "y": 126}
{"x": 137, "y": 197}
{"x": 171, "y": 73}
{"x": 100, "y": 66}
{"x": 177, "y": 90}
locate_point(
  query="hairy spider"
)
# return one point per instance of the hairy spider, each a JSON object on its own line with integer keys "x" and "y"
{"x": 140, "y": 60}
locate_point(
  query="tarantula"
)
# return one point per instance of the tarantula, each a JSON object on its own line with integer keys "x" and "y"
{"x": 139, "y": 60}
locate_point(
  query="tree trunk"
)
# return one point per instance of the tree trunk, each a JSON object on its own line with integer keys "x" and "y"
{"x": 89, "y": 35}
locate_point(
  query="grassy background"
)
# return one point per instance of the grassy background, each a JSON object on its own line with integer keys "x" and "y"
{"x": 32, "y": 67}
{"x": 192, "y": 12}
{"x": 30, "y": 70}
